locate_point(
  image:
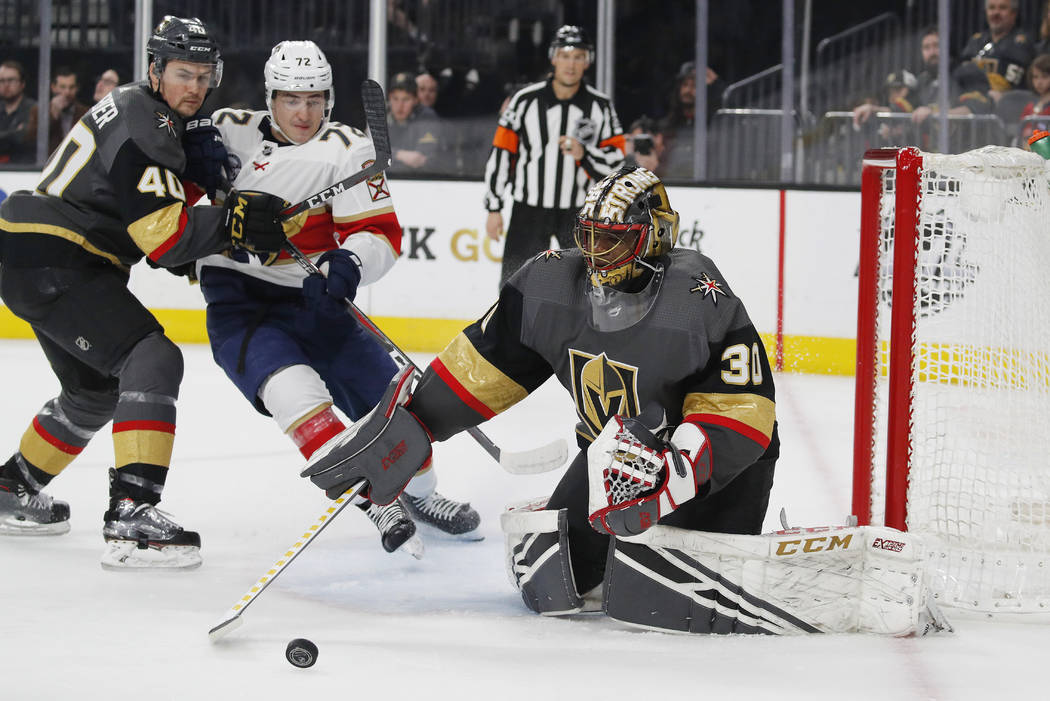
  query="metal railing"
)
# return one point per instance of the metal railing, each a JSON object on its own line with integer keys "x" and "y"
{"x": 834, "y": 148}
{"x": 854, "y": 63}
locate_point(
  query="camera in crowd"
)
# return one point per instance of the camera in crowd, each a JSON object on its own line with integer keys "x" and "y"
{"x": 643, "y": 143}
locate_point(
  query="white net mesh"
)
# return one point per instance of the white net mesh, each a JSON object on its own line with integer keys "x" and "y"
{"x": 979, "y": 481}
{"x": 635, "y": 470}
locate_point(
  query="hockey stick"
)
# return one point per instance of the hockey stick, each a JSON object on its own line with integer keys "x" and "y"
{"x": 233, "y": 619}
{"x": 375, "y": 117}
{"x": 529, "y": 462}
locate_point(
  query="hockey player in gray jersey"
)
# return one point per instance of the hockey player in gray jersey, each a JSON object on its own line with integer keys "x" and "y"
{"x": 110, "y": 195}
{"x": 657, "y": 354}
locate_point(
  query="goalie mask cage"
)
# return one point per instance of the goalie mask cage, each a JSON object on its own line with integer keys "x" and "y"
{"x": 952, "y": 412}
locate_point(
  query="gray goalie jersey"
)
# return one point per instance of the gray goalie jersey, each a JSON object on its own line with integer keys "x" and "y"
{"x": 694, "y": 353}
{"x": 112, "y": 190}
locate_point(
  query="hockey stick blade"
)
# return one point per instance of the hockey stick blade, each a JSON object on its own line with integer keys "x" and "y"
{"x": 533, "y": 462}
{"x": 375, "y": 116}
{"x": 233, "y": 620}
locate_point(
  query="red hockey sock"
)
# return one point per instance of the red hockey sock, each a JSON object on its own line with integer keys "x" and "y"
{"x": 315, "y": 431}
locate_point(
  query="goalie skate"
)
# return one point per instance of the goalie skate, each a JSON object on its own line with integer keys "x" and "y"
{"x": 23, "y": 513}
{"x": 140, "y": 536}
{"x": 396, "y": 530}
{"x": 453, "y": 519}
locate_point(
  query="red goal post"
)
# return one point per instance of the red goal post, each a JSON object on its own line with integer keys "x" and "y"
{"x": 952, "y": 404}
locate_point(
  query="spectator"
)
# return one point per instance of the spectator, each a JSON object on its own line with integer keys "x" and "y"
{"x": 105, "y": 84}
{"x": 899, "y": 90}
{"x": 1039, "y": 82}
{"x": 677, "y": 126}
{"x": 66, "y": 110}
{"x": 427, "y": 94}
{"x": 554, "y": 140}
{"x": 18, "y": 116}
{"x": 645, "y": 144}
{"x": 1002, "y": 51}
{"x": 413, "y": 138}
{"x": 926, "y": 92}
{"x": 1043, "y": 45}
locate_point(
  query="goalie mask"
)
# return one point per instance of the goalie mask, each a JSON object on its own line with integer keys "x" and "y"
{"x": 298, "y": 66}
{"x": 184, "y": 39}
{"x": 625, "y": 224}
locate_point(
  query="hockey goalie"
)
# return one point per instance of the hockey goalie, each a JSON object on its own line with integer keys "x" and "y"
{"x": 657, "y": 519}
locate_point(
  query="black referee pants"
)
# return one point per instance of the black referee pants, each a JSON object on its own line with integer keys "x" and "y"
{"x": 530, "y": 232}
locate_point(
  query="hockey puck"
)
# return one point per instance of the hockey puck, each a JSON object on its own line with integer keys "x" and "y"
{"x": 301, "y": 652}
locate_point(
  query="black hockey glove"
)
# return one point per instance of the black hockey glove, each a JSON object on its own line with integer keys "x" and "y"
{"x": 207, "y": 161}
{"x": 340, "y": 283}
{"x": 253, "y": 222}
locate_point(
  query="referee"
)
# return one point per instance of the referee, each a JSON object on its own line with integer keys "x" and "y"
{"x": 553, "y": 141}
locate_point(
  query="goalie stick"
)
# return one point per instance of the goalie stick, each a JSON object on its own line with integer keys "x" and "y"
{"x": 375, "y": 117}
{"x": 233, "y": 619}
{"x": 528, "y": 462}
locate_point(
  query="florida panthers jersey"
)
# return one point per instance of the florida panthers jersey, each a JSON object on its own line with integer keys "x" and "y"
{"x": 360, "y": 219}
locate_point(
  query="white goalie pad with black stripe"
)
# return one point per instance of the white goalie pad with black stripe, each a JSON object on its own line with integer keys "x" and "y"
{"x": 817, "y": 580}
{"x": 538, "y": 562}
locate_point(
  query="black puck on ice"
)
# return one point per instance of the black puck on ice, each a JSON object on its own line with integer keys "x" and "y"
{"x": 301, "y": 652}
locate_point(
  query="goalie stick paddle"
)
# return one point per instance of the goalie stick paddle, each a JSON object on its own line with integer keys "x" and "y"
{"x": 375, "y": 116}
{"x": 529, "y": 462}
{"x": 233, "y": 619}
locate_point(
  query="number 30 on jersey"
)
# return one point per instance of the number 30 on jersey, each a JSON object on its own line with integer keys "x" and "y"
{"x": 745, "y": 365}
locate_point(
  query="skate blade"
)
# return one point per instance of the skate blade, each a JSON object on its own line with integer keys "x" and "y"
{"x": 14, "y": 526}
{"x": 127, "y": 555}
{"x": 413, "y": 546}
{"x": 435, "y": 532}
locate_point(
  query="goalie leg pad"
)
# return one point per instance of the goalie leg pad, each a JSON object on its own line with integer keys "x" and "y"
{"x": 538, "y": 564}
{"x": 385, "y": 448}
{"x": 823, "y": 580}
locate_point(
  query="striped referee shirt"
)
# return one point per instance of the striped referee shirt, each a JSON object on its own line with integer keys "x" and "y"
{"x": 525, "y": 154}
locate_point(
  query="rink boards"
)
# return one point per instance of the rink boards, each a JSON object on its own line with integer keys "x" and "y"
{"x": 790, "y": 255}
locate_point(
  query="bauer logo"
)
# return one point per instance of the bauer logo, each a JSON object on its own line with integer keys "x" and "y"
{"x": 887, "y": 544}
{"x": 813, "y": 545}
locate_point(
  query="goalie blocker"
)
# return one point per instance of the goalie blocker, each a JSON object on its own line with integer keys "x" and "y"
{"x": 385, "y": 449}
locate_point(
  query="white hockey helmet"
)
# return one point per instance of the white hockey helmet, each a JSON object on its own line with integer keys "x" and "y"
{"x": 298, "y": 66}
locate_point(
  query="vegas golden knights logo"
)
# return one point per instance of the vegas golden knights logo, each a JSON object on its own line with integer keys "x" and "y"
{"x": 602, "y": 388}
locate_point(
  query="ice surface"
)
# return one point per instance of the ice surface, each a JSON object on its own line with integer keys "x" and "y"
{"x": 447, "y": 627}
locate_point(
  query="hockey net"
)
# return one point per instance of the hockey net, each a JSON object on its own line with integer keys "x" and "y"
{"x": 953, "y": 368}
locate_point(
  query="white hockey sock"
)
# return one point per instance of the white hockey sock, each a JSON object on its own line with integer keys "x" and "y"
{"x": 424, "y": 483}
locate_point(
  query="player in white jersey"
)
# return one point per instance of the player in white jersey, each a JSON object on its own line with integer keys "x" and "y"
{"x": 285, "y": 338}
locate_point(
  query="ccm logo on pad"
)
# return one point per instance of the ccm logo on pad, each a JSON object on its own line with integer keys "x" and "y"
{"x": 394, "y": 455}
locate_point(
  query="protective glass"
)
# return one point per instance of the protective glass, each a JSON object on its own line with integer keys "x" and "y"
{"x": 606, "y": 245}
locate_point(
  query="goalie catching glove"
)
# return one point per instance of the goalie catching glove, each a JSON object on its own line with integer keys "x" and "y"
{"x": 635, "y": 477}
{"x": 385, "y": 448}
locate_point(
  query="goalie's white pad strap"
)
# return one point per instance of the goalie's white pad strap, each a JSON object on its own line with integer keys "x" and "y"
{"x": 829, "y": 580}
{"x": 538, "y": 557}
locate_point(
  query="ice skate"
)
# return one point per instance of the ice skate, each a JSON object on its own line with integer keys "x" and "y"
{"x": 140, "y": 536}
{"x": 396, "y": 529}
{"x": 25, "y": 513}
{"x": 455, "y": 519}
